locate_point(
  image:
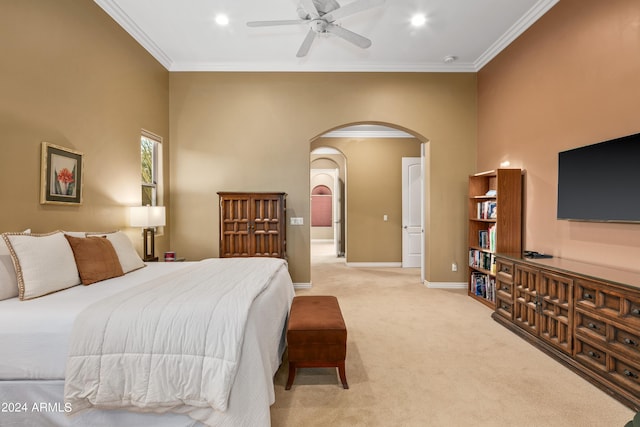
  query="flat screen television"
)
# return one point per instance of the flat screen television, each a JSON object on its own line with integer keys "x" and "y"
{"x": 601, "y": 182}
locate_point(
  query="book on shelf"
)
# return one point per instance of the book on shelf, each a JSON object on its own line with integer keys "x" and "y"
{"x": 483, "y": 239}
{"x": 492, "y": 237}
{"x": 482, "y": 260}
{"x": 491, "y": 289}
{"x": 487, "y": 238}
{"x": 487, "y": 210}
{"x": 483, "y": 286}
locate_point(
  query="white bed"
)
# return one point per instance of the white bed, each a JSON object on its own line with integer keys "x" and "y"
{"x": 35, "y": 336}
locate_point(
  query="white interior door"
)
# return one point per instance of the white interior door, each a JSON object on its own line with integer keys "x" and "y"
{"x": 411, "y": 212}
{"x": 337, "y": 215}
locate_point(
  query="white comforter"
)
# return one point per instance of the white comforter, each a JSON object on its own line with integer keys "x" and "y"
{"x": 168, "y": 345}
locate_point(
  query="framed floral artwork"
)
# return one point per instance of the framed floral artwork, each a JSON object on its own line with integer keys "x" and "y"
{"x": 61, "y": 175}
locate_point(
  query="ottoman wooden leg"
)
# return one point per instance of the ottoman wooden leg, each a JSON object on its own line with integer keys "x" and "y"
{"x": 343, "y": 375}
{"x": 292, "y": 375}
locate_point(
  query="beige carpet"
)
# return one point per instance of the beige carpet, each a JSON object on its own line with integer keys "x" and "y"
{"x": 431, "y": 357}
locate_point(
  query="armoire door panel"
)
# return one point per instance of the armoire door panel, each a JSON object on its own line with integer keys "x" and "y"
{"x": 555, "y": 300}
{"x": 525, "y": 284}
{"x": 252, "y": 224}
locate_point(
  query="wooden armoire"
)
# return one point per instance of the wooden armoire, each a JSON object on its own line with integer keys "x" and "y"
{"x": 252, "y": 225}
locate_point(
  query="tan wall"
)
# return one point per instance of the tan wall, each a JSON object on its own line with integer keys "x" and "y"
{"x": 373, "y": 189}
{"x": 69, "y": 75}
{"x": 251, "y": 131}
{"x": 570, "y": 80}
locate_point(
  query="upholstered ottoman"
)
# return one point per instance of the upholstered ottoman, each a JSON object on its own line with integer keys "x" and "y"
{"x": 316, "y": 336}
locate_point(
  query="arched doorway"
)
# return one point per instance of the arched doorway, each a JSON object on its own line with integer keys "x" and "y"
{"x": 372, "y": 196}
{"x": 328, "y": 170}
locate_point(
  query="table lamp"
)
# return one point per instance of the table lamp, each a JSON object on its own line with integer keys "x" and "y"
{"x": 148, "y": 217}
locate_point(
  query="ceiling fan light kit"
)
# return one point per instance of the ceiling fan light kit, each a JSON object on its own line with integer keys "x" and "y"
{"x": 321, "y": 17}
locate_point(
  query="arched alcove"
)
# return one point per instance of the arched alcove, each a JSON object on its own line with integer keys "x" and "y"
{"x": 321, "y": 206}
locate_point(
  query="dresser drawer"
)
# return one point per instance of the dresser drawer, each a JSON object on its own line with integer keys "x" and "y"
{"x": 626, "y": 373}
{"x": 504, "y": 305}
{"x": 590, "y": 355}
{"x": 631, "y": 310}
{"x": 619, "y": 304}
{"x": 590, "y": 326}
{"x": 625, "y": 342}
{"x": 504, "y": 268}
{"x": 595, "y": 297}
{"x": 503, "y": 286}
{"x": 611, "y": 365}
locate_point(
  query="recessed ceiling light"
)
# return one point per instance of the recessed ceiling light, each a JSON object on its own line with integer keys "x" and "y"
{"x": 222, "y": 19}
{"x": 418, "y": 20}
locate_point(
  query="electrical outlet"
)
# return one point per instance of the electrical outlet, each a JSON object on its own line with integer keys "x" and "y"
{"x": 454, "y": 267}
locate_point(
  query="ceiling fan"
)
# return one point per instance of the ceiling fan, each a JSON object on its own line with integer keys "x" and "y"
{"x": 321, "y": 17}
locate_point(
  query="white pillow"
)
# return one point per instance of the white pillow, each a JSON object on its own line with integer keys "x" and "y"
{"x": 44, "y": 263}
{"x": 127, "y": 255}
{"x": 8, "y": 279}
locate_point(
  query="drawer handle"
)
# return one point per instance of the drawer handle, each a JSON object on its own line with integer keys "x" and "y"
{"x": 630, "y": 374}
{"x": 629, "y": 341}
{"x": 587, "y": 295}
{"x": 593, "y": 326}
{"x": 594, "y": 355}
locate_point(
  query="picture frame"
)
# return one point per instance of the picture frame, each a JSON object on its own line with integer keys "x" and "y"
{"x": 61, "y": 174}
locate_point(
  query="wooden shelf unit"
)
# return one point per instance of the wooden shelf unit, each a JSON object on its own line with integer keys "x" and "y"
{"x": 503, "y": 214}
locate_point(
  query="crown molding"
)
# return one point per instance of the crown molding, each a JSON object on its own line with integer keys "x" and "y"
{"x": 435, "y": 67}
{"x": 536, "y": 11}
{"x": 120, "y": 16}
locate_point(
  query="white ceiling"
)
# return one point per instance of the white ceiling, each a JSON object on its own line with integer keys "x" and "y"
{"x": 183, "y": 36}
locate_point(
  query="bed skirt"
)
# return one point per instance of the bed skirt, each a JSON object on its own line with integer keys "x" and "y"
{"x": 40, "y": 403}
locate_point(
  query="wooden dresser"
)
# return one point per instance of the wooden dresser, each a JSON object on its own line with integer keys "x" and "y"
{"x": 585, "y": 316}
{"x": 252, "y": 225}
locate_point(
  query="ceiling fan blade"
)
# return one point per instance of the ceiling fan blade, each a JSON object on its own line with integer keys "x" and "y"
{"x": 351, "y": 8}
{"x": 275, "y": 23}
{"x": 349, "y": 36}
{"x": 310, "y": 8}
{"x": 306, "y": 44}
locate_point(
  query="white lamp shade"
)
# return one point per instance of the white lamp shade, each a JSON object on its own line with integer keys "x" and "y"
{"x": 147, "y": 216}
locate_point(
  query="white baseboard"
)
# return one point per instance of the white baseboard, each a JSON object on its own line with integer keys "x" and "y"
{"x": 302, "y": 285}
{"x": 374, "y": 264}
{"x": 446, "y": 285}
{"x": 322, "y": 240}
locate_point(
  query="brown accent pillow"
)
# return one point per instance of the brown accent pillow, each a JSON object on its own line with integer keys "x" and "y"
{"x": 96, "y": 259}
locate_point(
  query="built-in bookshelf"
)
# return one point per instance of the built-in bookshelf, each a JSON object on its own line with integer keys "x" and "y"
{"x": 495, "y": 225}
